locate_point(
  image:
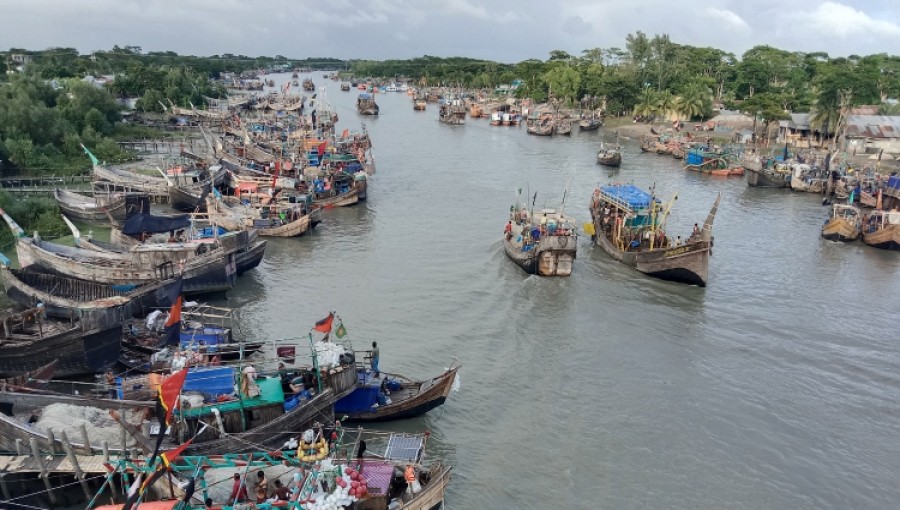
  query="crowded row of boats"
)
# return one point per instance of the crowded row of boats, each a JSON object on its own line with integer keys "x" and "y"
{"x": 106, "y": 329}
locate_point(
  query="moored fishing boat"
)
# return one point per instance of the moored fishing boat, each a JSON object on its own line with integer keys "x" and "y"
{"x": 308, "y": 85}
{"x": 843, "y": 224}
{"x": 562, "y": 127}
{"x": 541, "y": 126}
{"x": 777, "y": 175}
{"x": 543, "y": 243}
{"x": 628, "y": 223}
{"x": 204, "y": 268}
{"x": 420, "y": 104}
{"x": 610, "y": 155}
{"x": 591, "y": 124}
{"x": 29, "y": 340}
{"x": 345, "y": 87}
{"x": 881, "y": 229}
{"x": 270, "y": 220}
{"x": 710, "y": 163}
{"x": 408, "y": 397}
{"x": 97, "y": 208}
{"x": 390, "y": 471}
{"x": 475, "y": 110}
{"x": 94, "y": 303}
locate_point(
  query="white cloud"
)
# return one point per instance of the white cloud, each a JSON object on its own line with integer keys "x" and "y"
{"x": 835, "y": 19}
{"x": 728, "y": 17}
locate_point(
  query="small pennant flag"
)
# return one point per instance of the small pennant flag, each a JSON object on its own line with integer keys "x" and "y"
{"x": 341, "y": 331}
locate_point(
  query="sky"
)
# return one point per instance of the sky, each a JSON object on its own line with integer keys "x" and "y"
{"x": 502, "y": 30}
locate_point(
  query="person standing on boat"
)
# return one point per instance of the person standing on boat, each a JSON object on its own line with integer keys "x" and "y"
{"x": 262, "y": 487}
{"x": 110, "y": 383}
{"x": 507, "y": 230}
{"x": 375, "y": 359}
{"x": 238, "y": 490}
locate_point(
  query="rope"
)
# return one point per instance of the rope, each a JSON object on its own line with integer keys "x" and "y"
{"x": 53, "y": 489}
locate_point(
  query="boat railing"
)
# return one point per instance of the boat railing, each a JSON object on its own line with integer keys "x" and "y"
{"x": 616, "y": 201}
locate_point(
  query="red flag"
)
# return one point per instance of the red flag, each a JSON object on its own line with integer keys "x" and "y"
{"x": 322, "y": 148}
{"x": 168, "y": 392}
{"x": 324, "y": 325}
{"x": 170, "y": 456}
{"x": 173, "y": 323}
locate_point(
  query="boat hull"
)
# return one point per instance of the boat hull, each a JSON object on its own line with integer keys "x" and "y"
{"x": 95, "y": 304}
{"x": 553, "y": 256}
{"x": 432, "y": 393}
{"x": 887, "y": 238}
{"x": 188, "y": 199}
{"x": 840, "y": 229}
{"x": 92, "y": 213}
{"x": 759, "y": 179}
{"x": 612, "y": 160}
{"x": 682, "y": 264}
{"x": 250, "y": 258}
{"x": 78, "y": 352}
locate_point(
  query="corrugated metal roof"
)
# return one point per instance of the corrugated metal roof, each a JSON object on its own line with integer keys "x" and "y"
{"x": 873, "y": 126}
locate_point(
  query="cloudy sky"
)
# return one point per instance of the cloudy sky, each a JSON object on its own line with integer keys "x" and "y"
{"x": 503, "y": 30}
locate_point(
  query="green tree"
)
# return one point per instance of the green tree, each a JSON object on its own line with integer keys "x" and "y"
{"x": 564, "y": 82}
{"x": 648, "y": 103}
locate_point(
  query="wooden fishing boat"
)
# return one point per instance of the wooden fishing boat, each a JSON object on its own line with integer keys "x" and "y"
{"x": 28, "y": 341}
{"x": 475, "y": 110}
{"x": 843, "y": 224}
{"x": 562, "y": 127}
{"x": 365, "y": 104}
{"x": 97, "y": 208}
{"x": 778, "y": 176}
{"x": 36, "y": 380}
{"x": 541, "y": 129}
{"x": 204, "y": 268}
{"x": 591, "y": 124}
{"x": 94, "y": 303}
{"x": 345, "y": 87}
{"x": 710, "y": 163}
{"x": 881, "y": 229}
{"x": 807, "y": 178}
{"x": 409, "y": 398}
{"x": 543, "y": 243}
{"x": 308, "y": 85}
{"x": 420, "y": 105}
{"x": 452, "y": 112}
{"x": 230, "y": 213}
{"x": 392, "y": 472}
{"x": 610, "y": 155}
{"x": 628, "y": 224}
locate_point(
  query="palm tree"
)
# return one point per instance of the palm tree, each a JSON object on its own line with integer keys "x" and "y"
{"x": 692, "y": 102}
{"x": 828, "y": 113}
{"x": 647, "y": 105}
{"x": 665, "y": 102}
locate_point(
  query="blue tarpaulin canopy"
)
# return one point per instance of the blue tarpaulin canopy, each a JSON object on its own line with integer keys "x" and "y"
{"x": 894, "y": 182}
{"x": 210, "y": 381}
{"x": 635, "y": 197}
{"x": 365, "y": 95}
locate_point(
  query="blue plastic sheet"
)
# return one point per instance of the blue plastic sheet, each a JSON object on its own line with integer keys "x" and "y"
{"x": 211, "y": 382}
{"x": 635, "y": 197}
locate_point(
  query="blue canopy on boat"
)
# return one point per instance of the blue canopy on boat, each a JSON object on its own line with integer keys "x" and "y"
{"x": 893, "y": 182}
{"x": 635, "y": 197}
{"x": 365, "y": 95}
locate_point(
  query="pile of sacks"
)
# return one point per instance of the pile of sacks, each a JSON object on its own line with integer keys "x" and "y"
{"x": 329, "y": 354}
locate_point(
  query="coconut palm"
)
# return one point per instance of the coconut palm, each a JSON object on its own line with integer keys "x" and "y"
{"x": 647, "y": 105}
{"x": 692, "y": 102}
{"x": 665, "y": 102}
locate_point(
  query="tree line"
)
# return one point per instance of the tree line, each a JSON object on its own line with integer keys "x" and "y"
{"x": 653, "y": 76}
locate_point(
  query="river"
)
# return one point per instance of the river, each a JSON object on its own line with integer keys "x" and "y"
{"x": 776, "y": 386}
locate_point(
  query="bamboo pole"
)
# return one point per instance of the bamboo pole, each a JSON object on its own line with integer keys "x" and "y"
{"x": 73, "y": 459}
{"x": 36, "y": 454}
